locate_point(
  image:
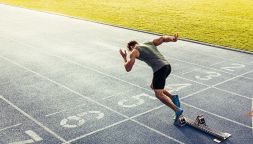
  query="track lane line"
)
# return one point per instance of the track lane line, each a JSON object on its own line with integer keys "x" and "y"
{"x": 3, "y": 129}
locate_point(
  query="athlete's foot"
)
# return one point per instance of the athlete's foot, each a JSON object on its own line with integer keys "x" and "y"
{"x": 179, "y": 112}
{"x": 175, "y": 100}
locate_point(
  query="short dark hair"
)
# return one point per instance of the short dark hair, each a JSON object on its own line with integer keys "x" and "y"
{"x": 131, "y": 43}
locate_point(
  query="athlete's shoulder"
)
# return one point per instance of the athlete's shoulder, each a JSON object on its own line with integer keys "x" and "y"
{"x": 135, "y": 53}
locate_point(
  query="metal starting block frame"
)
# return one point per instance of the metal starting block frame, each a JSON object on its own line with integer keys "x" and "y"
{"x": 200, "y": 124}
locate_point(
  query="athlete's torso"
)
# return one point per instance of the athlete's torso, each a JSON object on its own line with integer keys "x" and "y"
{"x": 149, "y": 53}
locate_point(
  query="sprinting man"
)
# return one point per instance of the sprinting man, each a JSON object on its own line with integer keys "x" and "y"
{"x": 149, "y": 53}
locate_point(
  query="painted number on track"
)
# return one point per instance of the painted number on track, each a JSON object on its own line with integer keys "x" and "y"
{"x": 233, "y": 67}
{"x": 78, "y": 120}
{"x": 177, "y": 87}
{"x": 135, "y": 101}
{"x": 34, "y": 138}
{"x": 209, "y": 76}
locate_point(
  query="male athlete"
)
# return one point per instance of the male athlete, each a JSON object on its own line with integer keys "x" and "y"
{"x": 149, "y": 53}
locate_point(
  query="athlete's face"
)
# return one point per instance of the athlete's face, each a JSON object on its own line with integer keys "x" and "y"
{"x": 132, "y": 47}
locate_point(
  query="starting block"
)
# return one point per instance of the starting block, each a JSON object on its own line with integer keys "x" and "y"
{"x": 200, "y": 124}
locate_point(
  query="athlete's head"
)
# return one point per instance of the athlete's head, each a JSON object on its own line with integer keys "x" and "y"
{"x": 131, "y": 45}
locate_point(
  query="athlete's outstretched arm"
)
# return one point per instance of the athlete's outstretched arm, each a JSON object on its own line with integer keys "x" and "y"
{"x": 163, "y": 39}
{"x": 128, "y": 63}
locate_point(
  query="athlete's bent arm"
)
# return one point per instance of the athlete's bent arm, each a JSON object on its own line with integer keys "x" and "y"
{"x": 128, "y": 63}
{"x": 163, "y": 39}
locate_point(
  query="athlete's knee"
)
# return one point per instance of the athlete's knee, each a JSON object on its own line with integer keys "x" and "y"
{"x": 159, "y": 93}
{"x": 166, "y": 91}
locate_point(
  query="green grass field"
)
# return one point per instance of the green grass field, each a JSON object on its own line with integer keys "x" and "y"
{"x": 220, "y": 22}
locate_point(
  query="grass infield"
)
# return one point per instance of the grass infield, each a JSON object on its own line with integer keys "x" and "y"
{"x": 221, "y": 22}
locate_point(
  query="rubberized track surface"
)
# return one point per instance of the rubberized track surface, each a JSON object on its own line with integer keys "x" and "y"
{"x": 62, "y": 81}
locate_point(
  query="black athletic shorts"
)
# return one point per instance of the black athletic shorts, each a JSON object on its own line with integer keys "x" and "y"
{"x": 159, "y": 77}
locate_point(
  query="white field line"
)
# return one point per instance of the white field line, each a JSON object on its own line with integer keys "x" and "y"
{"x": 98, "y": 130}
{"x": 3, "y": 129}
{"x": 64, "y": 110}
{"x": 152, "y": 129}
{"x": 233, "y": 78}
{"x": 189, "y": 71}
{"x": 218, "y": 63}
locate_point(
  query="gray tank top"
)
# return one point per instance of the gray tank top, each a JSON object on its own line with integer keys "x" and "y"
{"x": 150, "y": 55}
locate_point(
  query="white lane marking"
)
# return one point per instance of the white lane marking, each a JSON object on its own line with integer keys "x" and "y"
{"x": 108, "y": 97}
{"x": 241, "y": 124}
{"x": 190, "y": 80}
{"x": 33, "y": 135}
{"x": 54, "y": 113}
{"x": 217, "y": 63}
{"x": 233, "y": 93}
{"x": 10, "y": 127}
{"x": 233, "y": 67}
{"x": 209, "y": 75}
{"x": 30, "y": 141}
{"x": 98, "y": 130}
{"x": 143, "y": 113}
{"x": 187, "y": 96}
{"x": 157, "y": 131}
{"x": 232, "y": 78}
{"x": 116, "y": 94}
{"x": 33, "y": 119}
{"x": 138, "y": 98}
{"x": 64, "y": 110}
{"x": 189, "y": 71}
